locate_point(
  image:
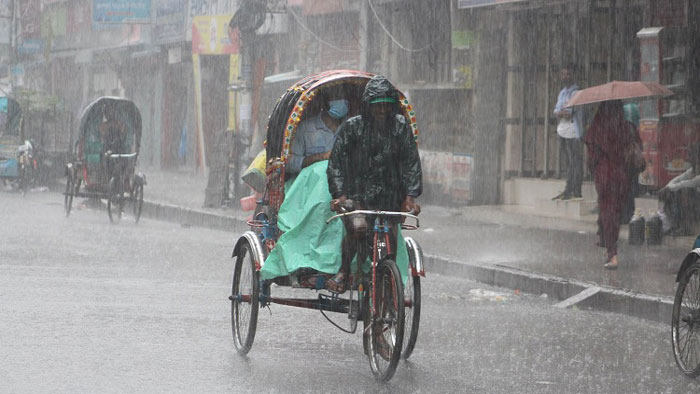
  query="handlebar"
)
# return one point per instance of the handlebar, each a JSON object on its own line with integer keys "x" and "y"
{"x": 122, "y": 155}
{"x": 381, "y": 213}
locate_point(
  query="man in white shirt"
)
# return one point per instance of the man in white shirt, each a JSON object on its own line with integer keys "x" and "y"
{"x": 570, "y": 130}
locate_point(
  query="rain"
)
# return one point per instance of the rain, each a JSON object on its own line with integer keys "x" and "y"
{"x": 188, "y": 189}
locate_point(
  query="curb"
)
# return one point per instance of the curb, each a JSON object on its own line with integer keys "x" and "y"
{"x": 609, "y": 299}
{"x": 191, "y": 217}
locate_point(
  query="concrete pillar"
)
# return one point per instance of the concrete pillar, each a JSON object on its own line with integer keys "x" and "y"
{"x": 157, "y": 116}
{"x": 364, "y": 9}
{"x": 488, "y": 105}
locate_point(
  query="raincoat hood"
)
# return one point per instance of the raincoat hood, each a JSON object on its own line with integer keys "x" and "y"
{"x": 378, "y": 86}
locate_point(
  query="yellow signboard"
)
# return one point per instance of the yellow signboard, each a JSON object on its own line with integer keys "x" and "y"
{"x": 211, "y": 35}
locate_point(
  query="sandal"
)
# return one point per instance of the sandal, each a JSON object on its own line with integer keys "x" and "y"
{"x": 610, "y": 266}
{"x": 314, "y": 282}
{"x": 336, "y": 284}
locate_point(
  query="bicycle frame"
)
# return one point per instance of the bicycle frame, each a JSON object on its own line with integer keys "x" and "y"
{"x": 380, "y": 247}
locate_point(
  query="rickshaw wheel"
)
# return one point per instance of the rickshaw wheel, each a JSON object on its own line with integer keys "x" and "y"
{"x": 411, "y": 293}
{"x": 23, "y": 179}
{"x": 115, "y": 201}
{"x": 244, "y": 300}
{"x": 68, "y": 195}
{"x": 685, "y": 322}
{"x": 137, "y": 200}
{"x": 387, "y": 323}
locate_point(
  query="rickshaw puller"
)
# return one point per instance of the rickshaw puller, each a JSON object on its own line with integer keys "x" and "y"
{"x": 374, "y": 162}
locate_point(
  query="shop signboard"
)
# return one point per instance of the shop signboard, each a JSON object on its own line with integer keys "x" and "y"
{"x": 53, "y": 22}
{"x": 448, "y": 174}
{"x": 121, "y": 11}
{"x": 170, "y": 20}
{"x": 30, "y": 46}
{"x": 79, "y": 18}
{"x": 482, "y": 3}
{"x": 211, "y": 35}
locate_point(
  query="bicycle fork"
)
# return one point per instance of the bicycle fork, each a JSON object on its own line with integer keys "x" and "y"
{"x": 380, "y": 249}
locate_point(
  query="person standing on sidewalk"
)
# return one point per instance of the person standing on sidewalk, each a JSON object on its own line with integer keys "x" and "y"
{"x": 569, "y": 131}
{"x": 607, "y": 140}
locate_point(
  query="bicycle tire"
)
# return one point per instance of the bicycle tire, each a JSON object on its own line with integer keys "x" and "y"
{"x": 685, "y": 327}
{"x": 387, "y": 322}
{"x": 115, "y": 201}
{"x": 137, "y": 200}
{"x": 245, "y": 280}
{"x": 68, "y": 195}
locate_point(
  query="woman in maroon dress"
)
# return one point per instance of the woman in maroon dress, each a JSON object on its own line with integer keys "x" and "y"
{"x": 607, "y": 140}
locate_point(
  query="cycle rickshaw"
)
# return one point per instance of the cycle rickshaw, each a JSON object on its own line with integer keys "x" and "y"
{"x": 17, "y": 164}
{"x": 104, "y": 158}
{"x": 377, "y": 296}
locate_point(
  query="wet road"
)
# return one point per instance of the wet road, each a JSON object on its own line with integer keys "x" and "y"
{"x": 91, "y": 307}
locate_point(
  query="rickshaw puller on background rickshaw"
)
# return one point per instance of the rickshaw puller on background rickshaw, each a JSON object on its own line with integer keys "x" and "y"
{"x": 114, "y": 135}
{"x": 375, "y": 163}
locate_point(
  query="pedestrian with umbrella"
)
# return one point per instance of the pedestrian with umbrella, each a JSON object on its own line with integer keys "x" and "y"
{"x": 606, "y": 140}
{"x": 612, "y": 151}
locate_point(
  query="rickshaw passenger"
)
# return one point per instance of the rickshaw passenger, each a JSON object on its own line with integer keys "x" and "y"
{"x": 375, "y": 163}
{"x": 315, "y": 136}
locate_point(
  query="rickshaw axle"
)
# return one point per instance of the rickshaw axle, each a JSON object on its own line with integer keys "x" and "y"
{"x": 339, "y": 306}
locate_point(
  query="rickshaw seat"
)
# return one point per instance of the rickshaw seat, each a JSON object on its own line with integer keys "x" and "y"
{"x": 93, "y": 149}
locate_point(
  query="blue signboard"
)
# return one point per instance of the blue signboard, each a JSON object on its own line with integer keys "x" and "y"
{"x": 121, "y": 11}
{"x": 30, "y": 46}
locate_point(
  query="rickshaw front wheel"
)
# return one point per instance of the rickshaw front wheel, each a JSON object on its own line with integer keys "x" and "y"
{"x": 68, "y": 195}
{"x": 137, "y": 200}
{"x": 115, "y": 201}
{"x": 685, "y": 322}
{"x": 244, "y": 299}
{"x": 386, "y": 326}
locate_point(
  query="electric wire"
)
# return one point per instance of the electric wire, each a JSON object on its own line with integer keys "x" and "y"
{"x": 319, "y": 39}
{"x": 398, "y": 44}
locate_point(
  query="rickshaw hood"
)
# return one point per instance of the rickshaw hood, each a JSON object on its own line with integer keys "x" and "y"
{"x": 378, "y": 86}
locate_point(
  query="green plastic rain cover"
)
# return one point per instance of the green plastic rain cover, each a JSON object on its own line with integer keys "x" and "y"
{"x": 308, "y": 242}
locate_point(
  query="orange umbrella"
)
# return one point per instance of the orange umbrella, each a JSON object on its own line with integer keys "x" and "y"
{"x": 618, "y": 90}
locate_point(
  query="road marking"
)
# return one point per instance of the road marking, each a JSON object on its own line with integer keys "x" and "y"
{"x": 587, "y": 293}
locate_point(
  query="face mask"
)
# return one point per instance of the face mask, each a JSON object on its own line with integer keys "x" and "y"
{"x": 338, "y": 108}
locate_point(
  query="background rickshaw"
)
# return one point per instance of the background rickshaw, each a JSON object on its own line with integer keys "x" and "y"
{"x": 15, "y": 150}
{"x": 100, "y": 174}
{"x": 250, "y": 291}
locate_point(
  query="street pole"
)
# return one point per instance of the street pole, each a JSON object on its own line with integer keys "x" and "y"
{"x": 12, "y": 37}
{"x": 364, "y": 37}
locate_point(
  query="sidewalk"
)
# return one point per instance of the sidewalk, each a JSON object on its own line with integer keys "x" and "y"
{"x": 510, "y": 246}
